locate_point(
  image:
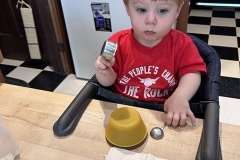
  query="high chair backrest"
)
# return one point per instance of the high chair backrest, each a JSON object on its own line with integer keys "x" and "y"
{"x": 209, "y": 88}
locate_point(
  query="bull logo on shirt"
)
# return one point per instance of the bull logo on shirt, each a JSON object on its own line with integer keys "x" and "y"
{"x": 148, "y": 91}
{"x": 148, "y": 81}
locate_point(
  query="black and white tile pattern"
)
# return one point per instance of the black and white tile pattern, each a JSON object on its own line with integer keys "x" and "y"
{"x": 219, "y": 28}
{"x": 41, "y": 76}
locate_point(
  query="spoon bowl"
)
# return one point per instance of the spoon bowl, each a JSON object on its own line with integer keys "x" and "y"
{"x": 157, "y": 133}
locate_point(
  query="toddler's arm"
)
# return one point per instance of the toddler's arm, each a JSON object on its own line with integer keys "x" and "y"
{"x": 104, "y": 72}
{"x": 177, "y": 105}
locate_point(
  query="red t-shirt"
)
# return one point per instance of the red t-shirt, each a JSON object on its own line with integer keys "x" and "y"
{"x": 152, "y": 74}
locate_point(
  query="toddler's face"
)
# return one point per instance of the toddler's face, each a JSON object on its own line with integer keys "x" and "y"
{"x": 152, "y": 20}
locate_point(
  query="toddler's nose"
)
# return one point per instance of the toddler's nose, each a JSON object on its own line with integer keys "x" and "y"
{"x": 151, "y": 18}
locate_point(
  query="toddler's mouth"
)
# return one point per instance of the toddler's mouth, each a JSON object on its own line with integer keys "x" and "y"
{"x": 149, "y": 32}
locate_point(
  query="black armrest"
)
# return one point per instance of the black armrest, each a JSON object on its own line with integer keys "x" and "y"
{"x": 209, "y": 146}
{"x": 68, "y": 121}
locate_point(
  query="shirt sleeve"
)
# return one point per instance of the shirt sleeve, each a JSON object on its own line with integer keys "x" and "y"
{"x": 191, "y": 61}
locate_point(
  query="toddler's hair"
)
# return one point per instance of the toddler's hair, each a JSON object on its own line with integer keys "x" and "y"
{"x": 178, "y": 1}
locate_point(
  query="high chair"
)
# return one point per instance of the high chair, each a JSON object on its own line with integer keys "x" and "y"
{"x": 204, "y": 104}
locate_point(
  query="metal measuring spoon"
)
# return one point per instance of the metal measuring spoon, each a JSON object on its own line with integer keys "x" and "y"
{"x": 157, "y": 132}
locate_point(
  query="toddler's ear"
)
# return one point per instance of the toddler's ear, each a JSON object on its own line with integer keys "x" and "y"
{"x": 179, "y": 9}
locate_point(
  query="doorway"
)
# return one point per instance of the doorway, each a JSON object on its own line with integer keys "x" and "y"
{"x": 51, "y": 33}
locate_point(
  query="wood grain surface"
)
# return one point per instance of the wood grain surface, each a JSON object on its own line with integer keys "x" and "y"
{"x": 30, "y": 114}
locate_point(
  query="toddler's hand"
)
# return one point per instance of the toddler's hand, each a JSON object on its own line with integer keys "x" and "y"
{"x": 178, "y": 109}
{"x": 103, "y": 66}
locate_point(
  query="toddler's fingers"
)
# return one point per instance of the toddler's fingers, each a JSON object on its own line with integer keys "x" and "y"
{"x": 175, "y": 120}
{"x": 106, "y": 62}
{"x": 169, "y": 118}
{"x": 165, "y": 108}
{"x": 112, "y": 62}
{"x": 182, "y": 119}
{"x": 101, "y": 72}
{"x": 192, "y": 117}
{"x": 101, "y": 63}
{"x": 100, "y": 66}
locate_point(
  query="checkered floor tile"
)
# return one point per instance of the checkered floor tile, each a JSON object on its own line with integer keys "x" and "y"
{"x": 220, "y": 28}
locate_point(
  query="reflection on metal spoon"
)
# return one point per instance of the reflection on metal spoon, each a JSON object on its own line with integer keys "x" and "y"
{"x": 157, "y": 132}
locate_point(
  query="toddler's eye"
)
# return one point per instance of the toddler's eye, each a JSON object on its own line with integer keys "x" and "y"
{"x": 162, "y": 10}
{"x": 141, "y": 10}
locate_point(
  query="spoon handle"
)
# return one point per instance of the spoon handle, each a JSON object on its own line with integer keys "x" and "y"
{"x": 164, "y": 125}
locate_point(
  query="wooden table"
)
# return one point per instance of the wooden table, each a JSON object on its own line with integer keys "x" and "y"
{"x": 30, "y": 114}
